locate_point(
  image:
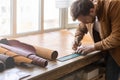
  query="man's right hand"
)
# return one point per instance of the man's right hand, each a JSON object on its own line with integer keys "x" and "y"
{"x": 75, "y": 45}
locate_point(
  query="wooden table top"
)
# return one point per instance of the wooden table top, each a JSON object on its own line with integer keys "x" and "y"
{"x": 60, "y": 41}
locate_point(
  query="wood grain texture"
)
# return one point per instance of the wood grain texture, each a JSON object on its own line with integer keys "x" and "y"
{"x": 60, "y": 41}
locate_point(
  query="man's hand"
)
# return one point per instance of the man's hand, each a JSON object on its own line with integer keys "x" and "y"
{"x": 85, "y": 49}
{"x": 75, "y": 46}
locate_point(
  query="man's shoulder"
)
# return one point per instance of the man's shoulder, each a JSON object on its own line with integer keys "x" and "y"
{"x": 108, "y": 1}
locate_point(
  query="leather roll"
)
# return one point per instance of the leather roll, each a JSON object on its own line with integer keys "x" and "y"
{"x": 46, "y": 53}
{"x": 30, "y": 49}
{"x": 2, "y": 66}
{"x": 18, "y": 58}
{"x": 36, "y": 60}
{"x": 40, "y": 51}
{"x": 9, "y": 61}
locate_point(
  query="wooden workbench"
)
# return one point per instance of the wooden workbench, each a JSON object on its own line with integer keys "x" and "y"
{"x": 60, "y": 41}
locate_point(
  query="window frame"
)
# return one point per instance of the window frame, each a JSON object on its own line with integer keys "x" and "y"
{"x": 63, "y": 20}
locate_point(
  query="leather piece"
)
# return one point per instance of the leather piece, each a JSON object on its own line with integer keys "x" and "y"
{"x": 40, "y": 51}
{"x": 23, "y": 52}
{"x": 2, "y": 66}
{"x": 21, "y": 45}
{"x": 18, "y": 59}
{"x": 8, "y": 61}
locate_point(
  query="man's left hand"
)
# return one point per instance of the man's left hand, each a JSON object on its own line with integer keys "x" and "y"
{"x": 85, "y": 49}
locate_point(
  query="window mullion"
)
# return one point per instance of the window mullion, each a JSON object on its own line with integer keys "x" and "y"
{"x": 13, "y": 17}
{"x": 41, "y": 15}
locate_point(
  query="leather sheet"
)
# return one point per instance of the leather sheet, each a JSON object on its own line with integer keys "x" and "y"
{"x": 40, "y": 51}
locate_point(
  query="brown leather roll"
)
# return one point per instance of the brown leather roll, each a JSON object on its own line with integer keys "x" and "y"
{"x": 29, "y": 48}
{"x": 40, "y": 51}
{"x": 9, "y": 61}
{"x": 46, "y": 53}
{"x": 18, "y": 59}
{"x": 2, "y": 66}
{"x": 36, "y": 60}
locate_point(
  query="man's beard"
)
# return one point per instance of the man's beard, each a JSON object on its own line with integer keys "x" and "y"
{"x": 93, "y": 18}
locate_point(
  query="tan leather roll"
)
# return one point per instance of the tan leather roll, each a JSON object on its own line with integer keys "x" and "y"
{"x": 46, "y": 53}
{"x": 18, "y": 59}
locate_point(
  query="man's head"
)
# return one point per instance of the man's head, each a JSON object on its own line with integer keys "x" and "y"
{"x": 83, "y": 10}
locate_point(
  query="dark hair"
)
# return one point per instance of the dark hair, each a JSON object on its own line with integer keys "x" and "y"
{"x": 81, "y": 7}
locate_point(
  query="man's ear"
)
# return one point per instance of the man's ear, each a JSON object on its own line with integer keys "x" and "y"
{"x": 92, "y": 11}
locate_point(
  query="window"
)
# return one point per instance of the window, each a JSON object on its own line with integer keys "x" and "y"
{"x": 51, "y": 15}
{"x": 27, "y": 15}
{"x": 5, "y": 17}
{"x": 31, "y": 16}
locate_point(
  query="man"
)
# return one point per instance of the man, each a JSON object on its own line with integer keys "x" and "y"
{"x": 102, "y": 21}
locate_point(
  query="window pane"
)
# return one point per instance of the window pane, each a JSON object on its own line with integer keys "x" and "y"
{"x": 27, "y": 15}
{"x": 4, "y": 17}
{"x": 51, "y": 15}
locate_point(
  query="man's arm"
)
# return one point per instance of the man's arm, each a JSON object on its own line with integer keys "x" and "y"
{"x": 113, "y": 40}
{"x": 79, "y": 34}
